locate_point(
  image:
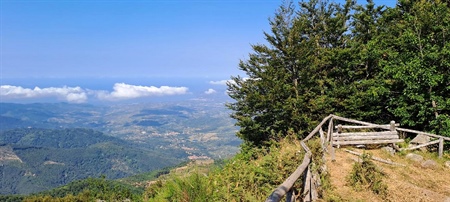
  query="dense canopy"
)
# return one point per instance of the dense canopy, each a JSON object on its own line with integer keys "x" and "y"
{"x": 367, "y": 62}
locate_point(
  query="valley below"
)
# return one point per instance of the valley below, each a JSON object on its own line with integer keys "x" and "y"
{"x": 45, "y": 145}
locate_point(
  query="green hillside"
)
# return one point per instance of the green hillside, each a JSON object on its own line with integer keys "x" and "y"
{"x": 35, "y": 160}
{"x": 248, "y": 176}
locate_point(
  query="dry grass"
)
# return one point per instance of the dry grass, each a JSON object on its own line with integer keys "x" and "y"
{"x": 410, "y": 183}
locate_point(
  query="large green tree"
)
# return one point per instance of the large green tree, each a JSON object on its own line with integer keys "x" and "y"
{"x": 416, "y": 40}
{"x": 286, "y": 83}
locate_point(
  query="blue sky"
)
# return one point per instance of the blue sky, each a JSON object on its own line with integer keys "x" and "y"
{"x": 130, "y": 38}
{"x": 61, "y": 39}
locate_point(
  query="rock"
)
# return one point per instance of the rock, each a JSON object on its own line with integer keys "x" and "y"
{"x": 414, "y": 157}
{"x": 447, "y": 164}
{"x": 429, "y": 164}
{"x": 389, "y": 150}
{"x": 420, "y": 139}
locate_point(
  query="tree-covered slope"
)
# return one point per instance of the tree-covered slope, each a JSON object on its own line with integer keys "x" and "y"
{"x": 39, "y": 159}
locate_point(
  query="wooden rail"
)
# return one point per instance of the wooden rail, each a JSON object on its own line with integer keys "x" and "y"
{"x": 309, "y": 183}
{"x": 440, "y": 140}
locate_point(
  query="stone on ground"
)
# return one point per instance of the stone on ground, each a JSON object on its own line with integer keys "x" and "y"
{"x": 420, "y": 139}
{"x": 414, "y": 157}
{"x": 429, "y": 164}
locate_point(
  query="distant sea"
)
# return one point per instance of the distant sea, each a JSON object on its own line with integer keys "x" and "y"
{"x": 197, "y": 86}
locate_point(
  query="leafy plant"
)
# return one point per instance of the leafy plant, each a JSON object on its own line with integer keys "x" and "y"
{"x": 366, "y": 175}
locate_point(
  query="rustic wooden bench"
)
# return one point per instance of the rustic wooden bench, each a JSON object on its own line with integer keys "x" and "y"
{"x": 359, "y": 138}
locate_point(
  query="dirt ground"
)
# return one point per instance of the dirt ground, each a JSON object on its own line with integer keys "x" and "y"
{"x": 407, "y": 183}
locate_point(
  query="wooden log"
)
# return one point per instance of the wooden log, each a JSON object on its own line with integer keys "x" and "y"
{"x": 422, "y": 133}
{"x": 307, "y": 185}
{"x": 317, "y": 127}
{"x": 314, "y": 184}
{"x": 375, "y": 158}
{"x": 366, "y": 134}
{"x": 365, "y": 127}
{"x": 441, "y": 147}
{"x": 367, "y": 142}
{"x": 339, "y": 131}
{"x": 366, "y": 137}
{"x": 306, "y": 148}
{"x": 281, "y": 190}
{"x": 421, "y": 145}
{"x": 360, "y": 122}
{"x": 322, "y": 138}
{"x": 330, "y": 129}
{"x": 333, "y": 156}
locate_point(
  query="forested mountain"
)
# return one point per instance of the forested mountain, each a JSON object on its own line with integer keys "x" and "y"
{"x": 44, "y": 145}
{"x": 34, "y": 160}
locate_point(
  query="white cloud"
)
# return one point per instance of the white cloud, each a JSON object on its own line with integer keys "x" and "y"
{"x": 70, "y": 94}
{"x": 225, "y": 82}
{"x": 127, "y": 91}
{"x": 210, "y": 91}
{"x": 221, "y": 82}
{"x": 120, "y": 91}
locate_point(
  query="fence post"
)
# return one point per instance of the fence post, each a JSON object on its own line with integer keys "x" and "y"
{"x": 392, "y": 126}
{"x": 441, "y": 147}
{"x": 307, "y": 185}
{"x": 330, "y": 130}
{"x": 339, "y": 132}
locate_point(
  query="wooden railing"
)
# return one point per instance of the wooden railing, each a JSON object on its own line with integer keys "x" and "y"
{"x": 310, "y": 182}
{"x": 309, "y": 185}
{"x": 440, "y": 140}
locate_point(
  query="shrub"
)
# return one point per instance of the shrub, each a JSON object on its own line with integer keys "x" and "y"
{"x": 365, "y": 174}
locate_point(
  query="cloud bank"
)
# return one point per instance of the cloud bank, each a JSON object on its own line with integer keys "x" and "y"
{"x": 121, "y": 91}
{"x": 69, "y": 94}
{"x": 126, "y": 91}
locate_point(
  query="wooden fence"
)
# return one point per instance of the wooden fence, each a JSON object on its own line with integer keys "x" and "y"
{"x": 311, "y": 179}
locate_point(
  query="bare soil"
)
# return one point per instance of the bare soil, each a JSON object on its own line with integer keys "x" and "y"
{"x": 409, "y": 183}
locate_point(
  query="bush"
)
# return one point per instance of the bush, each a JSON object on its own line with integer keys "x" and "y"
{"x": 366, "y": 175}
{"x": 192, "y": 188}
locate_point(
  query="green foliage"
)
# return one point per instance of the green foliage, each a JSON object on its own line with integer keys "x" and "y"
{"x": 416, "y": 43}
{"x": 248, "y": 176}
{"x": 366, "y": 175}
{"x": 90, "y": 189}
{"x": 191, "y": 188}
{"x": 365, "y": 62}
{"x": 11, "y": 198}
